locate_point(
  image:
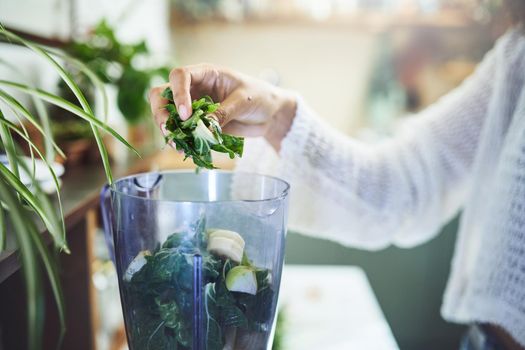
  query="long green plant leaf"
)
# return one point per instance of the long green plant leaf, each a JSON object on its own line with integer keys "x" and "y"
{"x": 57, "y": 101}
{"x": 15, "y": 195}
{"x": 49, "y": 142}
{"x": 66, "y": 77}
{"x": 47, "y": 208}
{"x": 54, "y": 280}
{"x": 31, "y": 152}
{"x": 36, "y": 203}
{"x": 41, "y": 204}
{"x": 41, "y": 111}
{"x": 88, "y": 116}
{"x": 3, "y": 229}
{"x": 32, "y": 277}
{"x": 17, "y": 106}
{"x": 9, "y": 147}
{"x": 85, "y": 105}
{"x": 45, "y": 202}
{"x": 82, "y": 67}
{"x": 87, "y": 108}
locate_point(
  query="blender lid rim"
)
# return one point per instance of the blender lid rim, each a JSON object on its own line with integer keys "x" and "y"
{"x": 283, "y": 193}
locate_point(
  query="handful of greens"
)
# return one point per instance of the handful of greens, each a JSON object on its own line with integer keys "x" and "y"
{"x": 237, "y": 298}
{"x": 201, "y": 133}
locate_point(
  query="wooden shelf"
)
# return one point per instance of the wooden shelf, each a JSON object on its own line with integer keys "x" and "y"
{"x": 359, "y": 20}
{"x": 52, "y": 42}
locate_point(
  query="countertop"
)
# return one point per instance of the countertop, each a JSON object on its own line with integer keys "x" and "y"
{"x": 331, "y": 308}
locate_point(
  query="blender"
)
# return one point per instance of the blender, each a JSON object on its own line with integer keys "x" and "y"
{"x": 199, "y": 257}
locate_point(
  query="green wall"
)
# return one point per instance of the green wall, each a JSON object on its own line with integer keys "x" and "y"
{"x": 409, "y": 284}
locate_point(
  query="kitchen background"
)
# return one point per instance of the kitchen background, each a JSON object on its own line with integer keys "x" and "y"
{"x": 363, "y": 65}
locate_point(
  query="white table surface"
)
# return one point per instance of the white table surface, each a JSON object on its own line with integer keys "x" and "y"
{"x": 331, "y": 308}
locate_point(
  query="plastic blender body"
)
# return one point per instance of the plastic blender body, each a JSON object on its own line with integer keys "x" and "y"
{"x": 157, "y": 229}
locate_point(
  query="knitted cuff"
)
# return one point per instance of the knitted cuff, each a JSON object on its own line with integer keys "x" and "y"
{"x": 293, "y": 145}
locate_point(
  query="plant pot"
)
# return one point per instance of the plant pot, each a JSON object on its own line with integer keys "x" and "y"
{"x": 79, "y": 152}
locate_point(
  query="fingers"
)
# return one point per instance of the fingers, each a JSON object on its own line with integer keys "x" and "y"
{"x": 160, "y": 114}
{"x": 242, "y": 129}
{"x": 238, "y": 113}
{"x": 183, "y": 79}
{"x": 157, "y": 103}
{"x": 235, "y": 104}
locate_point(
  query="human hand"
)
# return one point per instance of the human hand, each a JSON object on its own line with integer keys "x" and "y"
{"x": 249, "y": 107}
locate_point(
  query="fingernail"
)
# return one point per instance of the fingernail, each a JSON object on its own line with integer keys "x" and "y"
{"x": 165, "y": 133}
{"x": 183, "y": 112}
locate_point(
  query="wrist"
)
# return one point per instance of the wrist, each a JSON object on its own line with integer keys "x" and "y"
{"x": 281, "y": 121}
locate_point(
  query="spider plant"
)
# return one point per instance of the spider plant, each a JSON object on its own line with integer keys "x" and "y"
{"x": 22, "y": 204}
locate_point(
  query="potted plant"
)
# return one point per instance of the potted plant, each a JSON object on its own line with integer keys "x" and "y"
{"x": 21, "y": 201}
{"x": 118, "y": 65}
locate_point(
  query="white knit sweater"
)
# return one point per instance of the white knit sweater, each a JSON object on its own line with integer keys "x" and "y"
{"x": 467, "y": 151}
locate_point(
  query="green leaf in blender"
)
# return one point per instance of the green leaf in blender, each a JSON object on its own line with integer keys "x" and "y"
{"x": 160, "y": 294}
{"x": 212, "y": 327}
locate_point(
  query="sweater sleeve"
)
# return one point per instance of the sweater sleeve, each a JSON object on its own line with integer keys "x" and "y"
{"x": 399, "y": 191}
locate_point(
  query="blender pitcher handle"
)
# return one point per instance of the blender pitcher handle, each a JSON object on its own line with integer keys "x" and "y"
{"x": 107, "y": 219}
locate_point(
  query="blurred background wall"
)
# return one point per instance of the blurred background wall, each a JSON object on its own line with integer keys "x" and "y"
{"x": 329, "y": 65}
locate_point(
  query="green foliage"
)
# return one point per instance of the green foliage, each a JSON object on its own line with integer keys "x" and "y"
{"x": 20, "y": 201}
{"x": 3, "y": 229}
{"x": 132, "y": 87}
{"x": 114, "y": 63}
{"x": 231, "y": 145}
{"x": 200, "y": 133}
{"x": 212, "y": 327}
{"x": 160, "y": 297}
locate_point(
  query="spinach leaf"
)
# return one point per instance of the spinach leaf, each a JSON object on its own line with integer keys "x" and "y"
{"x": 230, "y": 313}
{"x": 200, "y": 134}
{"x": 171, "y": 315}
{"x": 159, "y": 338}
{"x": 257, "y": 308}
{"x": 211, "y": 267}
{"x": 214, "y": 337}
{"x": 235, "y": 144}
{"x": 159, "y": 306}
{"x": 173, "y": 241}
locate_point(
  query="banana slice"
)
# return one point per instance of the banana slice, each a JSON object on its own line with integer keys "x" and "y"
{"x": 228, "y": 234}
{"x": 242, "y": 279}
{"x": 226, "y": 243}
{"x": 136, "y": 264}
{"x": 225, "y": 247}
